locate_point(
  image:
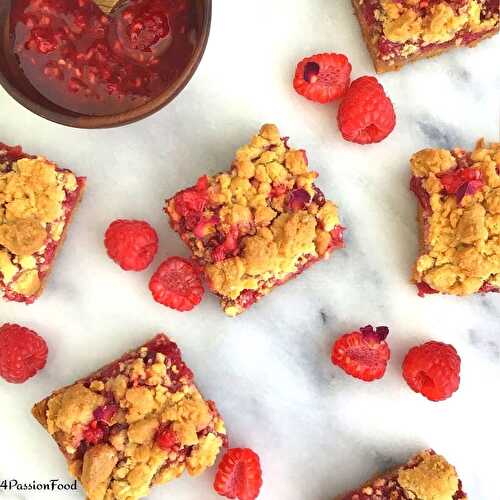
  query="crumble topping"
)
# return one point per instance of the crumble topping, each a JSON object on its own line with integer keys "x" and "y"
{"x": 426, "y": 476}
{"x": 461, "y": 237}
{"x": 33, "y": 193}
{"x": 32, "y": 190}
{"x": 432, "y": 479}
{"x": 271, "y": 252}
{"x": 75, "y": 405}
{"x": 258, "y": 224}
{"x": 109, "y": 426}
{"x": 98, "y": 464}
{"x": 397, "y": 29}
{"x": 407, "y": 21}
{"x": 400, "y": 24}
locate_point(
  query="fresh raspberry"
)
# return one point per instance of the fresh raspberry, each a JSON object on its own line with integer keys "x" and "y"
{"x": 433, "y": 370}
{"x": 322, "y": 77}
{"x": 132, "y": 244}
{"x": 166, "y": 438}
{"x": 239, "y": 475}
{"x": 177, "y": 284}
{"x": 22, "y": 353}
{"x": 364, "y": 354}
{"x": 366, "y": 114}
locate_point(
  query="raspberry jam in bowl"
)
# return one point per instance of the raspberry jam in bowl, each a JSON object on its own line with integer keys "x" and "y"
{"x": 77, "y": 64}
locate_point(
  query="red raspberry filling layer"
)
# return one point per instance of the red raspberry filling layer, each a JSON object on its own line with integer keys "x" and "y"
{"x": 159, "y": 344}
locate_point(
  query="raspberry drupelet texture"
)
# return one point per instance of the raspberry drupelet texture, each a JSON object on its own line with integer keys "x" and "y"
{"x": 323, "y": 77}
{"x": 132, "y": 244}
{"x": 22, "y": 353}
{"x": 239, "y": 475}
{"x": 433, "y": 370}
{"x": 364, "y": 354}
{"x": 138, "y": 422}
{"x": 426, "y": 476}
{"x": 177, "y": 284}
{"x": 459, "y": 216}
{"x": 366, "y": 115}
{"x": 258, "y": 225}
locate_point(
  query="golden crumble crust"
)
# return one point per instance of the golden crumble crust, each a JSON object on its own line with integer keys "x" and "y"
{"x": 426, "y": 476}
{"x": 23, "y": 236}
{"x": 32, "y": 190}
{"x": 273, "y": 252}
{"x": 461, "y": 237}
{"x": 73, "y": 406}
{"x": 432, "y": 479}
{"x": 402, "y": 22}
{"x": 398, "y": 32}
{"x": 268, "y": 216}
{"x": 34, "y": 194}
{"x": 98, "y": 464}
{"x": 133, "y": 400}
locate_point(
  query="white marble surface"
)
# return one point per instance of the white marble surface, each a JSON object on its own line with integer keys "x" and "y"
{"x": 318, "y": 432}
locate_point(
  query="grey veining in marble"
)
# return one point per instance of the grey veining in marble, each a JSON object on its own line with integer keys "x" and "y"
{"x": 318, "y": 432}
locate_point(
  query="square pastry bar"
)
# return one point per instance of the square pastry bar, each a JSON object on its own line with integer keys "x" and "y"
{"x": 427, "y": 476}
{"x": 398, "y": 32}
{"x": 459, "y": 216}
{"x": 37, "y": 201}
{"x": 137, "y": 422}
{"x": 258, "y": 225}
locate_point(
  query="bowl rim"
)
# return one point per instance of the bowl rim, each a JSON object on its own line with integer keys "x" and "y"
{"x": 126, "y": 117}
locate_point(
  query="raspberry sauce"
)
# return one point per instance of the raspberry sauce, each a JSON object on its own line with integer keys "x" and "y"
{"x": 97, "y": 64}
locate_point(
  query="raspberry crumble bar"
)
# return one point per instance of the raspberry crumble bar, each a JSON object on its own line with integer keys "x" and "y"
{"x": 37, "y": 201}
{"x": 398, "y": 32}
{"x": 258, "y": 225}
{"x": 427, "y": 476}
{"x": 459, "y": 214}
{"x": 137, "y": 422}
